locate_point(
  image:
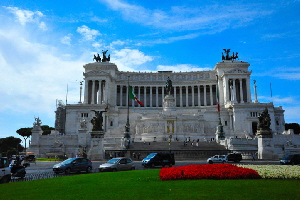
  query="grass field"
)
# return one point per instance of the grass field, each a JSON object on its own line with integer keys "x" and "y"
{"x": 145, "y": 184}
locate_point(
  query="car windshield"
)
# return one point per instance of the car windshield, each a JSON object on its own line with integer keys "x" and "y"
{"x": 68, "y": 161}
{"x": 113, "y": 161}
{"x": 151, "y": 155}
{"x": 287, "y": 157}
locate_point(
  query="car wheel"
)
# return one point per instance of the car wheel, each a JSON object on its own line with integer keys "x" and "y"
{"x": 5, "y": 179}
{"x": 210, "y": 162}
{"x": 88, "y": 170}
{"x": 67, "y": 171}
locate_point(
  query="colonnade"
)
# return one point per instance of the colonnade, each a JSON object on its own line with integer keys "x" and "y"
{"x": 95, "y": 92}
{"x": 152, "y": 96}
{"x": 237, "y": 90}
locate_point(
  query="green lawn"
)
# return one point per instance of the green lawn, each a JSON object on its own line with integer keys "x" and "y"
{"x": 145, "y": 184}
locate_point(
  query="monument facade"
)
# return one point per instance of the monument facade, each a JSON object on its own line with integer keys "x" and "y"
{"x": 176, "y": 105}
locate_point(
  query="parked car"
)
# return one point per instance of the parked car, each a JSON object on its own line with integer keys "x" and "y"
{"x": 235, "y": 157}
{"x": 217, "y": 159}
{"x": 5, "y": 174}
{"x": 290, "y": 159}
{"x": 117, "y": 164}
{"x": 159, "y": 159}
{"x": 73, "y": 165}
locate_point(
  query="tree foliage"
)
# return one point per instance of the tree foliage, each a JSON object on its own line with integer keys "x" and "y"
{"x": 294, "y": 126}
{"x": 10, "y": 146}
{"x": 47, "y": 129}
{"x": 24, "y": 132}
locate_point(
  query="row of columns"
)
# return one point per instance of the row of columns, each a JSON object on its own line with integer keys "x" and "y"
{"x": 95, "y": 92}
{"x": 237, "y": 90}
{"x": 155, "y": 99}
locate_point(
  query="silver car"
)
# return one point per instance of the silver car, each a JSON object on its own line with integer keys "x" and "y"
{"x": 117, "y": 164}
{"x": 217, "y": 159}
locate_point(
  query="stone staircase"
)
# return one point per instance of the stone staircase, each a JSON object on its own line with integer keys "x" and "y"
{"x": 181, "y": 151}
{"x": 176, "y": 146}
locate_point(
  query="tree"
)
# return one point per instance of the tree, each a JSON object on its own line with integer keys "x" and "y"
{"x": 294, "y": 126}
{"x": 10, "y": 146}
{"x": 47, "y": 129}
{"x": 25, "y": 133}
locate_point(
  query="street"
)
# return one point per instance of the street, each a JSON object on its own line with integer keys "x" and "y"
{"x": 43, "y": 167}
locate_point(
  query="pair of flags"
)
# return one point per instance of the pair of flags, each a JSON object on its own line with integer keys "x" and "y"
{"x": 133, "y": 96}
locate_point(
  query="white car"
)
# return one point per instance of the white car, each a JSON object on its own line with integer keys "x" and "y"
{"x": 5, "y": 173}
{"x": 217, "y": 159}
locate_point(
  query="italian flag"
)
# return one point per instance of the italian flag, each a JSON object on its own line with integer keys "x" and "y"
{"x": 133, "y": 96}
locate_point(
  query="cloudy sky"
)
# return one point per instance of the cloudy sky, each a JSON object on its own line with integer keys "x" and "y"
{"x": 44, "y": 44}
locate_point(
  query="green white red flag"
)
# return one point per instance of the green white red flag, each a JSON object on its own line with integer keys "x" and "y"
{"x": 133, "y": 96}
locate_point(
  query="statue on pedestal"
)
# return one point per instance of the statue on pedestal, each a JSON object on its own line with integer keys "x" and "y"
{"x": 97, "y": 58}
{"x": 169, "y": 86}
{"x": 104, "y": 58}
{"x": 97, "y": 121}
{"x": 227, "y": 56}
{"x": 37, "y": 124}
{"x": 264, "y": 120}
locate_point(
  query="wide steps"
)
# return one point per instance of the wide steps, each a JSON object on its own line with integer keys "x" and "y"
{"x": 176, "y": 146}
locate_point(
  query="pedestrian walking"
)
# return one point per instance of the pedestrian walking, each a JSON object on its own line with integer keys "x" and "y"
{"x": 253, "y": 157}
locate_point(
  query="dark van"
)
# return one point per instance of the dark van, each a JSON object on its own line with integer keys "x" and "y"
{"x": 290, "y": 159}
{"x": 235, "y": 157}
{"x": 159, "y": 159}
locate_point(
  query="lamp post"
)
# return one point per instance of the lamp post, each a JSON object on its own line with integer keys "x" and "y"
{"x": 127, "y": 126}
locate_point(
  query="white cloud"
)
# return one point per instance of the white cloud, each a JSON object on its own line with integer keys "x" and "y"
{"x": 66, "y": 39}
{"x": 287, "y": 73}
{"x": 32, "y": 80}
{"x": 181, "y": 67}
{"x": 43, "y": 26}
{"x": 26, "y": 16}
{"x": 214, "y": 17}
{"x": 88, "y": 34}
{"x": 129, "y": 59}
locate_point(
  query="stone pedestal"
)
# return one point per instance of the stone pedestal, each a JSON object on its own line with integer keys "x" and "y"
{"x": 265, "y": 144}
{"x": 35, "y": 141}
{"x": 264, "y": 134}
{"x": 96, "y": 150}
{"x": 169, "y": 103}
{"x": 265, "y": 148}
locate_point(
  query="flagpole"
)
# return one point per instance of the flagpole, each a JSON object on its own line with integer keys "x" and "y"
{"x": 127, "y": 123}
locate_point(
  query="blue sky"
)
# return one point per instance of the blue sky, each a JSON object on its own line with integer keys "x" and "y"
{"x": 44, "y": 44}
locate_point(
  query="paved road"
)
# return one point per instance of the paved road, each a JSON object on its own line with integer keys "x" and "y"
{"x": 41, "y": 167}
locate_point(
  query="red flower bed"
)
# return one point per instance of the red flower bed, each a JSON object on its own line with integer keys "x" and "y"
{"x": 217, "y": 171}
